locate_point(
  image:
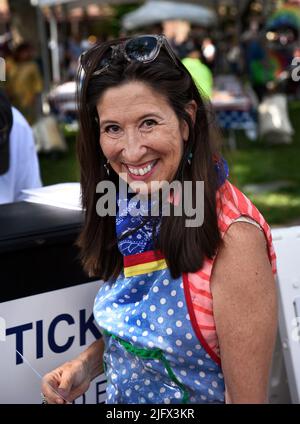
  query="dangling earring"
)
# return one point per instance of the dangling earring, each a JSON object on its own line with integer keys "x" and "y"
{"x": 107, "y": 167}
{"x": 190, "y": 158}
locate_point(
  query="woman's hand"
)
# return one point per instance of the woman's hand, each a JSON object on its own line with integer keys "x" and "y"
{"x": 70, "y": 380}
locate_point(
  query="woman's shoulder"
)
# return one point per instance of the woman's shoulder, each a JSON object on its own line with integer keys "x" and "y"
{"x": 232, "y": 204}
{"x": 234, "y": 207}
{"x": 242, "y": 237}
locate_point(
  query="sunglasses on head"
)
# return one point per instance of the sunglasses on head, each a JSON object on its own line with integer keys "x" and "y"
{"x": 143, "y": 49}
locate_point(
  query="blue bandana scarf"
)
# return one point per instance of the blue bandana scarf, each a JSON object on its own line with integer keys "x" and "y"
{"x": 141, "y": 240}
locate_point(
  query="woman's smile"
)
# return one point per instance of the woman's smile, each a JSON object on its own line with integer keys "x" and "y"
{"x": 141, "y": 171}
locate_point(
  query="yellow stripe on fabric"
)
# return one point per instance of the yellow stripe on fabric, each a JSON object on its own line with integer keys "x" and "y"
{"x": 130, "y": 271}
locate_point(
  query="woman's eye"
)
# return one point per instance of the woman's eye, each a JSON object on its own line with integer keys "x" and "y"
{"x": 149, "y": 123}
{"x": 112, "y": 129}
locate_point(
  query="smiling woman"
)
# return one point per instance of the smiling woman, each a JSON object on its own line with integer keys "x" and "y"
{"x": 188, "y": 314}
{"x": 132, "y": 141}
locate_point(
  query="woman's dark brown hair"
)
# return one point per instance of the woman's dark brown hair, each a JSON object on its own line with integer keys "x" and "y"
{"x": 184, "y": 248}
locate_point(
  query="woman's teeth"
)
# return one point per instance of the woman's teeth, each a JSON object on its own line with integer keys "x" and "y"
{"x": 142, "y": 171}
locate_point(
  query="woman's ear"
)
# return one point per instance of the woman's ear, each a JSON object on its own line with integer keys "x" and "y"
{"x": 191, "y": 109}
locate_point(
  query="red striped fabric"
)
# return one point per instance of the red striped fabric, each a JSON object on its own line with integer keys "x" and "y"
{"x": 142, "y": 258}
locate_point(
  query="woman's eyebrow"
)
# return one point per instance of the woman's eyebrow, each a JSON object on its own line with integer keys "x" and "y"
{"x": 108, "y": 121}
{"x": 147, "y": 115}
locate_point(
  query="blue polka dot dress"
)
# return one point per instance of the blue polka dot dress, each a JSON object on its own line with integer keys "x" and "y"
{"x": 152, "y": 354}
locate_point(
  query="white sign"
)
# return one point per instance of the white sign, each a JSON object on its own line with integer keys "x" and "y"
{"x": 47, "y": 329}
{"x": 287, "y": 248}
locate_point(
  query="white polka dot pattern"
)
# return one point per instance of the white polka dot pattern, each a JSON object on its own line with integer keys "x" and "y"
{"x": 154, "y": 316}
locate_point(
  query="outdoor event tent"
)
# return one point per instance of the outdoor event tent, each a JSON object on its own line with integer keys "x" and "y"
{"x": 154, "y": 12}
{"x": 286, "y": 16}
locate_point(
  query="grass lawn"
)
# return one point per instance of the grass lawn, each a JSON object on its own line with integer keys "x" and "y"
{"x": 256, "y": 162}
{"x": 253, "y": 162}
{"x": 60, "y": 167}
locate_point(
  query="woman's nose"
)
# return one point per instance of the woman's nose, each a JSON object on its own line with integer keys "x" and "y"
{"x": 134, "y": 147}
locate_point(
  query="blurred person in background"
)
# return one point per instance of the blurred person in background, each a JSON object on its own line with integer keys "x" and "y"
{"x": 234, "y": 56}
{"x": 209, "y": 53}
{"x": 201, "y": 73}
{"x": 25, "y": 84}
{"x": 19, "y": 167}
{"x": 74, "y": 50}
{"x": 262, "y": 68}
{"x": 250, "y": 44}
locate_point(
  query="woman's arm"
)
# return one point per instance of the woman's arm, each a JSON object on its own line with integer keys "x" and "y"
{"x": 92, "y": 357}
{"x": 245, "y": 311}
{"x": 73, "y": 378}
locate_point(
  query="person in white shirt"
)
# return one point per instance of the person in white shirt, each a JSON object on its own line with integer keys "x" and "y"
{"x": 19, "y": 166}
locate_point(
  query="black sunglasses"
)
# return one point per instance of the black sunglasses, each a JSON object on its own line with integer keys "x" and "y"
{"x": 143, "y": 48}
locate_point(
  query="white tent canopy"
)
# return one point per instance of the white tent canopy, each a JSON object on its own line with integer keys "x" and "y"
{"x": 42, "y": 3}
{"x": 80, "y": 3}
{"x": 154, "y": 12}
